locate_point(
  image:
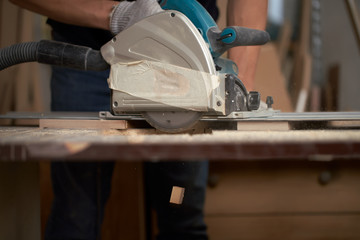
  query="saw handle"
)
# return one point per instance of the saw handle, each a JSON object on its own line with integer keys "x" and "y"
{"x": 242, "y": 36}
{"x": 230, "y": 37}
{"x": 221, "y": 41}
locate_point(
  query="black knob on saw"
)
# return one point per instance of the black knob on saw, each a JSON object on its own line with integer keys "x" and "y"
{"x": 253, "y": 100}
{"x": 269, "y": 101}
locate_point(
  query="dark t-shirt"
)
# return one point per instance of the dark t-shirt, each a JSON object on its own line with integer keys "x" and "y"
{"x": 95, "y": 38}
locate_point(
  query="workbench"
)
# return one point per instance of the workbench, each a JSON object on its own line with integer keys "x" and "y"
{"x": 251, "y": 165}
{"x": 34, "y": 144}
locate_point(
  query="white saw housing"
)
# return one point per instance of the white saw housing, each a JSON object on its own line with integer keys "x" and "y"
{"x": 169, "y": 41}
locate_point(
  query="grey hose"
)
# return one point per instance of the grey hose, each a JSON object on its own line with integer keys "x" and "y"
{"x": 18, "y": 53}
{"x": 54, "y": 53}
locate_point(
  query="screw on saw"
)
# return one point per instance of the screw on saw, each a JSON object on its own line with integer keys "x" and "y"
{"x": 269, "y": 102}
{"x": 224, "y": 37}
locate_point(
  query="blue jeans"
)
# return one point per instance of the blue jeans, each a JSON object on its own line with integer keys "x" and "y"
{"x": 82, "y": 189}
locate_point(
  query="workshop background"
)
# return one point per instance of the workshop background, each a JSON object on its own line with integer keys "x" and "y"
{"x": 312, "y": 64}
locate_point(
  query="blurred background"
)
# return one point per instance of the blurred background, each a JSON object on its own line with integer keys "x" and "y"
{"x": 311, "y": 64}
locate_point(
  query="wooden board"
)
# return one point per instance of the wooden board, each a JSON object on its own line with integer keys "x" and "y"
{"x": 283, "y": 44}
{"x": 262, "y": 126}
{"x": 83, "y": 124}
{"x": 269, "y": 79}
{"x": 301, "y": 74}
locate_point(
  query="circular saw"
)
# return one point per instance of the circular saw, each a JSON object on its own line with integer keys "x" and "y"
{"x": 168, "y": 68}
{"x": 171, "y": 39}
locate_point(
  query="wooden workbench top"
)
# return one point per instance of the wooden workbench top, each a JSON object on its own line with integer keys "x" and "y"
{"x": 31, "y": 143}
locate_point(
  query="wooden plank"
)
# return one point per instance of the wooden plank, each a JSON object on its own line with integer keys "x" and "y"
{"x": 302, "y": 60}
{"x": 262, "y": 126}
{"x": 283, "y": 44}
{"x": 332, "y": 89}
{"x": 130, "y": 127}
{"x": 303, "y": 95}
{"x": 6, "y": 97}
{"x": 298, "y": 227}
{"x": 23, "y": 75}
{"x": 305, "y": 26}
{"x": 83, "y": 124}
{"x": 283, "y": 188}
{"x": 9, "y": 22}
{"x": 269, "y": 79}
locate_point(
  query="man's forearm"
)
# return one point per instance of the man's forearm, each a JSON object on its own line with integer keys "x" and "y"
{"x": 86, "y": 13}
{"x": 252, "y": 14}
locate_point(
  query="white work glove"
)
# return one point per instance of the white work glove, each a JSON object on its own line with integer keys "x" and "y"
{"x": 127, "y": 13}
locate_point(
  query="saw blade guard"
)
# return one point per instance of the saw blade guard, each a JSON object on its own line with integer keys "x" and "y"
{"x": 168, "y": 38}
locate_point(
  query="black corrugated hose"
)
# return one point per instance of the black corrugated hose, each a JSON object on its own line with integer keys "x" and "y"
{"x": 54, "y": 53}
{"x": 18, "y": 53}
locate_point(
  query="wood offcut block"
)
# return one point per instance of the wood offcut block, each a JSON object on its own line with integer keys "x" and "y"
{"x": 177, "y": 195}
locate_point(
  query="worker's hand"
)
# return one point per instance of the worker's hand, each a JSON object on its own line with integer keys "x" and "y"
{"x": 127, "y": 13}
